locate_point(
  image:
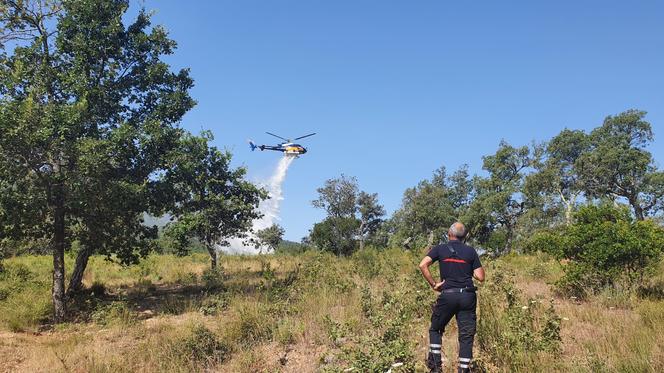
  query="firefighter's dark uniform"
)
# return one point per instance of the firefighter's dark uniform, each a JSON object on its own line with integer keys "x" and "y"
{"x": 457, "y": 298}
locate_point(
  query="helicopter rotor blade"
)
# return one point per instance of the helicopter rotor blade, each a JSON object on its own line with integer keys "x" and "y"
{"x": 277, "y": 136}
{"x": 301, "y": 137}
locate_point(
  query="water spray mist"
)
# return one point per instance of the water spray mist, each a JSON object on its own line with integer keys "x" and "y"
{"x": 269, "y": 208}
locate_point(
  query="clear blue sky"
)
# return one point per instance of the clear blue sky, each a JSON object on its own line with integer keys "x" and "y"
{"x": 396, "y": 89}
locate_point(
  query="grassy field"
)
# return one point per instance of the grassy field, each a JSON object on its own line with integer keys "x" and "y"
{"x": 314, "y": 312}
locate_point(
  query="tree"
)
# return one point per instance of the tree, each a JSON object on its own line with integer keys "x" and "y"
{"x": 499, "y": 202}
{"x": 336, "y": 234}
{"x": 214, "y": 201}
{"x": 618, "y": 166}
{"x": 425, "y": 211}
{"x": 270, "y": 237}
{"x": 338, "y": 197}
{"x": 341, "y": 229}
{"x": 88, "y": 112}
{"x": 371, "y": 213}
{"x": 557, "y": 173}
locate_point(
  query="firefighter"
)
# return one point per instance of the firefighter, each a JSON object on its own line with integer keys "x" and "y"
{"x": 459, "y": 263}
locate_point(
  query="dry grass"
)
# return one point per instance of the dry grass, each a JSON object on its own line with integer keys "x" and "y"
{"x": 148, "y": 318}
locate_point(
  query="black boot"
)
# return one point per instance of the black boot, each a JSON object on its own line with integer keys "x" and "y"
{"x": 434, "y": 364}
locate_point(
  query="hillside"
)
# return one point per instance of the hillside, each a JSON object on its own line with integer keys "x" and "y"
{"x": 314, "y": 312}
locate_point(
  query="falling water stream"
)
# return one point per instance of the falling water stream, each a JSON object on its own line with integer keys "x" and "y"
{"x": 269, "y": 208}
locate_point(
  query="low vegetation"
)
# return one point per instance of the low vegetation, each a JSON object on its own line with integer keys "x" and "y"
{"x": 318, "y": 312}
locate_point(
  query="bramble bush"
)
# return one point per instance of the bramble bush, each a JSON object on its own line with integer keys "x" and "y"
{"x": 604, "y": 247}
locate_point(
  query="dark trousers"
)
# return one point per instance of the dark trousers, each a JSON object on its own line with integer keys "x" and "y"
{"x": 461, "y": 305}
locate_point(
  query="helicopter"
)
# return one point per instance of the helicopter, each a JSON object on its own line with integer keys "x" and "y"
{"x": 287, "y": 147}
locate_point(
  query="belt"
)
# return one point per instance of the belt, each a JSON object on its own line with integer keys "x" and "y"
{"x": 471, "y": 289}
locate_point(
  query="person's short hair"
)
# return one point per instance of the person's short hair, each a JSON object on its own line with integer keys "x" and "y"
{"x": 458, "y": 230}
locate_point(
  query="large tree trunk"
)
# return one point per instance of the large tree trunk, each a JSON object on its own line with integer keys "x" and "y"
{"x": 59, "y": 300}
{"x": 76, "y": 281}
{"x": 213, "y": 255}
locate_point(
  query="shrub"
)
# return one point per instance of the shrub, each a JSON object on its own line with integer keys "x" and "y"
{"x": 368, "y": 262}
{"x": 202, "y": 347}
{"x": 512, "y": 330}
{"x": 214, "y": 304}
{"x": 605, "y": 246}
{"x": 607, "y": 238}
{"x": 548, "y": 241}
{"x": 213, "y": 279}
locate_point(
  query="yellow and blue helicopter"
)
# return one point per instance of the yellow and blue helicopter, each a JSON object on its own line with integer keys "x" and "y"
{"x": 287, "y": 147}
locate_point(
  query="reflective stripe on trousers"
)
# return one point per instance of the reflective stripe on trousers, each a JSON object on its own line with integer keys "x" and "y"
{"x": 463, "y": 306}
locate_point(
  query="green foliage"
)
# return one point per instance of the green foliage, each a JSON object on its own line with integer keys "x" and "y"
{"x": 202, "y": 348}
{"x": 320, "y": 273}
{"x": 215, "y": 202}
{"x": 556, "y": 180}
{"x": 213, "y": 279}
{"x": 270, "y": 237}
{"x": 512, "y": 330}
{"x": 370, "y": 215}
{"x": 24, "y": 297}
{"x": 336, "y": 234}
{"x": 291, "y": 248}
{"x": 338, "y": 197}
{"x": 605, "y": 246}
{"x": 101, "y": 101}
{"x": 352, "y": 216}
{"x": 214, "y": 304}
{"x": 368, "y": 263}
{"x": 619, "y": 166}
{"x": 428, "y": 209}
{"x": 115, "y": 314}
{"x": 383, "y": 345}
{"x": 550, "y": 241}
{"x": 499, "y": 203}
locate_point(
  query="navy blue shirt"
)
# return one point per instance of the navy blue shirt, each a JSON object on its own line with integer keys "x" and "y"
{"x": 455, "y": 268}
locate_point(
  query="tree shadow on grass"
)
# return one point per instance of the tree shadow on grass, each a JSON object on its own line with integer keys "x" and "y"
{"x": 146, "y": 300}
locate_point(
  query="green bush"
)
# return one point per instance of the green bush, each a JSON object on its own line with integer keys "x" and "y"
{"x": 512, "y": 330}
{"x": 368, "y": 262}
{"x": 607, "y": 238}
{"x": 202, "y": 347}
{"x": 604, "y": 247}
{"x": 214, "y": 304}
{"x": 213, "y": 279}
{"x": 550, "y": 241}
